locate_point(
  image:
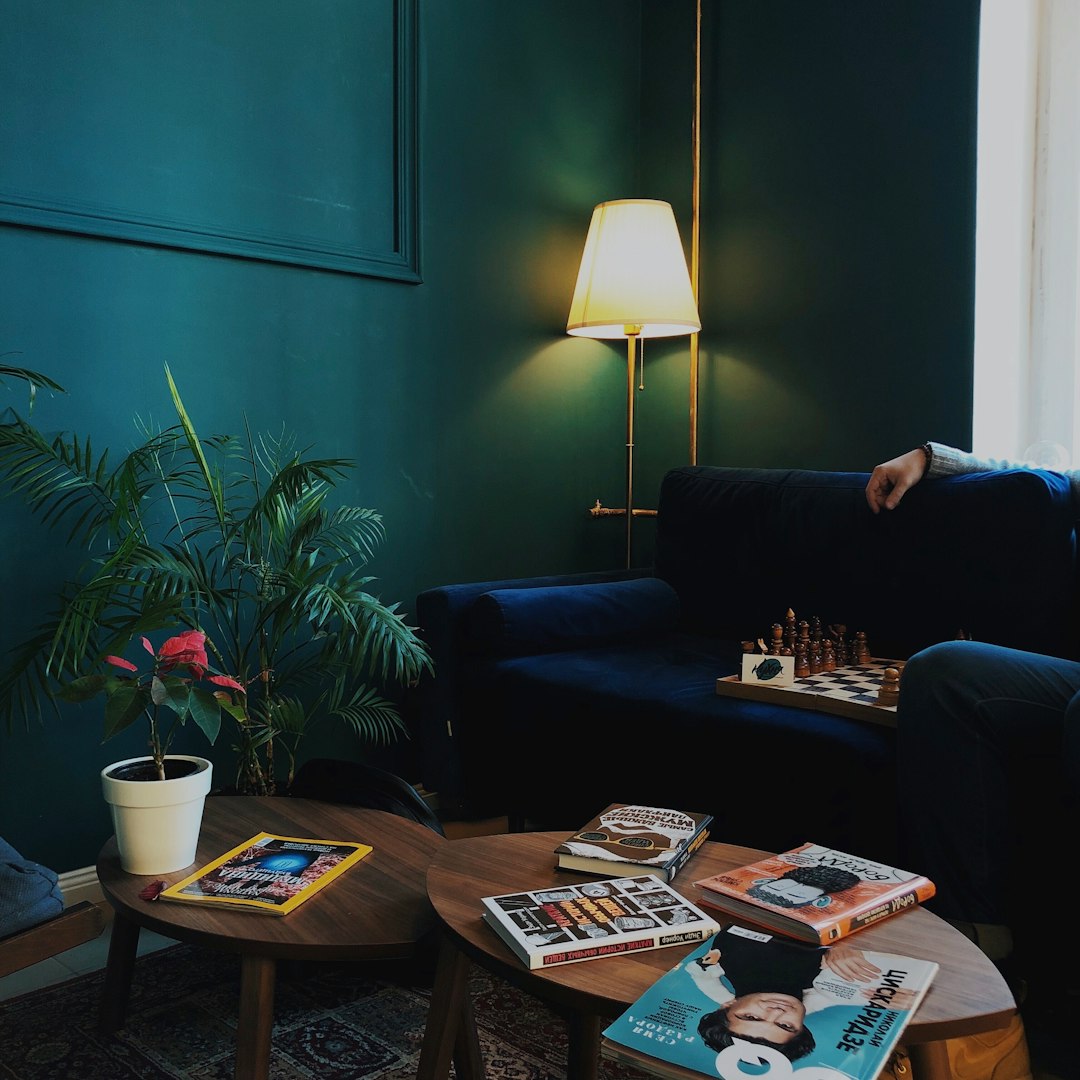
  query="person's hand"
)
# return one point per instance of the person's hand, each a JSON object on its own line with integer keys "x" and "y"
{"x": 890, "y": 480}
{"x": 850, "y": 963}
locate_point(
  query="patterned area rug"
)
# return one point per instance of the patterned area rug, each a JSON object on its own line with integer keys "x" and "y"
{"x": 329, "y": 1023}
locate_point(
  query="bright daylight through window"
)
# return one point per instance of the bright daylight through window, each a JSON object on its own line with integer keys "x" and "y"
{"x": 1027, "y": 367}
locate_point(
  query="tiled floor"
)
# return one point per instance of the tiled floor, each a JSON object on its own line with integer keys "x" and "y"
{"x": 77, "y": 961}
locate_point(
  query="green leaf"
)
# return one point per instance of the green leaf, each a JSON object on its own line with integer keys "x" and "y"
{"x": 173, "y": 692}
{"x": 82, "y": 689}
{"x": 123, "y": 707}
{"x": 206, "y": 712}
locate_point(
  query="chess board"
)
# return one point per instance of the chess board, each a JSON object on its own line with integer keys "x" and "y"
{"x": 847, "y": 691}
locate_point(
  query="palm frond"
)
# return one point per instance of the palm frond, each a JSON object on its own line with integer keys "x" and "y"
{"x": 372, "y": 717}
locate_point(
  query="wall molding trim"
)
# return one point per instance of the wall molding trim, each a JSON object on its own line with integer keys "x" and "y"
{"x": 395, "y": 255}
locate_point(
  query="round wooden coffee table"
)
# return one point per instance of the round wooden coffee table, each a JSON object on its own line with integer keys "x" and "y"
{"x": 377, "y": 909}
{"x": 968, "y": 996}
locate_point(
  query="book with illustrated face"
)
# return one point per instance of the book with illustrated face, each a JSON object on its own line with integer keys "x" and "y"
{"x": 589, "y": 920}
{"x": 629, "y": 838}
{"x": 750, "y": 1004}
{"x": 814, "y": 893}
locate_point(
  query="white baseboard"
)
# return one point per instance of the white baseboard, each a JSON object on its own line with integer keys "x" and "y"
{"x": 81, "y": 884}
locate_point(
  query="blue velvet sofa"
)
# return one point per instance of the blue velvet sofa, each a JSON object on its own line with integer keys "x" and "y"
{"x": 554, "y": 696}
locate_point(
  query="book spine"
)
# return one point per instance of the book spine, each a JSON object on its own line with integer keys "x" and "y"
{"x": 683, "y": 857}
{"x": 661, "y": 939}
{"x": 844, "y": 926}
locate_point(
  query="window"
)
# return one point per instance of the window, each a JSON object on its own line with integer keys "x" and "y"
{"x": 1027, "y": 367}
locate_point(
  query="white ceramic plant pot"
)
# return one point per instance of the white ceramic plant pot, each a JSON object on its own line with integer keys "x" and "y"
{"x": 157, "y": 822}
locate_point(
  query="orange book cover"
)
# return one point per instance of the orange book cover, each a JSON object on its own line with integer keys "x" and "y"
{"x": 815, "y": 893}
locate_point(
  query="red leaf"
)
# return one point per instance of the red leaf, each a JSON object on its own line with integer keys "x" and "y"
{"x": 152, "y": 891}
{"x": 120, "y": 662}
{"x": 225, "y": 680}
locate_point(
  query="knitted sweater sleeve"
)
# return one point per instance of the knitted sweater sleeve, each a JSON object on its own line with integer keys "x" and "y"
{"x": 949, "y": 461}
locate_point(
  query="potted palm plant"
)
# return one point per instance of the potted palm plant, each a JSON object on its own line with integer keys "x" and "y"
{"x": 234, "y": 538}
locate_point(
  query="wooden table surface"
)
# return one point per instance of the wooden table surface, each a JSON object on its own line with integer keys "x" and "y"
{"x": 378, "y": 909}
{"x": 968, "y": 997}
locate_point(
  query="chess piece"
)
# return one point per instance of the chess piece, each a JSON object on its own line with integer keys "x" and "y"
{"x": 804, "y": 632}
{"x": 802, "y": 660}
{"x": 815, "y": 658}
{"x": 828, "y": 655}
{"x": 889, "y": 691}
{"x": 776, "y": 646}
{"x": 862, "y": 648}
{"x": 747, "y": 646}
{"x": 789, "y": 632}
{"x": 838, "y": 630}
{"x": 815, "y": 628}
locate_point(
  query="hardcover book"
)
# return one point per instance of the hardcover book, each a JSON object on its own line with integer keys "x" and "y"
{"x": 628, "y": 839}
{"x": 268, "y": 873}
{"x": 565, "y": 924}
{"x": 815, "y": 893}
{"x": 747, "y": 1003}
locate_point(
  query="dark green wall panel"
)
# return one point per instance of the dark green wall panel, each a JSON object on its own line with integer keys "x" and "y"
{"x": 837, "y": 250}
{"x": 838, "y": 230}
{"x": 259, "y": 127}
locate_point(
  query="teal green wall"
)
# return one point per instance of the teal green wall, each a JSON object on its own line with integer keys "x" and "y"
{"x": 836, "y": 283}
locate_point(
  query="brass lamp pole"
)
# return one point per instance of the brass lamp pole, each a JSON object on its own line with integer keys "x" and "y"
{"x": 633, "y": 283}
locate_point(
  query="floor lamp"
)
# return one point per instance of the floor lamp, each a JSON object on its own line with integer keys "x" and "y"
{"x": 633, "y": 283}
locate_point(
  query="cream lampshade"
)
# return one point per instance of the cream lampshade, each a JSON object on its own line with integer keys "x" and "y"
{"x": 633, "y": 282}
{"x": 633, "y": 274}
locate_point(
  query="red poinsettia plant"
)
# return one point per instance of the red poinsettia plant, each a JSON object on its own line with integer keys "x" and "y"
{"x": 168, "y": 695}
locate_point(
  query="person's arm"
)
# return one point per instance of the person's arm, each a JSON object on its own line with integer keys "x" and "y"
{"x": 891, "y": 480}
{"x": 709, "y": 981}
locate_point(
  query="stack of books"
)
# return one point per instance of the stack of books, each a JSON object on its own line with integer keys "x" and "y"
{"x": 771, "y": 986}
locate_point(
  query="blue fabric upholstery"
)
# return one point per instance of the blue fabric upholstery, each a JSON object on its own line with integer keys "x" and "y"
{"x": 29, "y": 892}
{"x": 520, "y": 622}
{"x": 583, "y": 719}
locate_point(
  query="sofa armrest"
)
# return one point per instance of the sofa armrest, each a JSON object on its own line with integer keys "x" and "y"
{"x": 444, "y": 617}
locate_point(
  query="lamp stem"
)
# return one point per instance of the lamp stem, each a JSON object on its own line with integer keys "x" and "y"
{"x": 631, "y": 344}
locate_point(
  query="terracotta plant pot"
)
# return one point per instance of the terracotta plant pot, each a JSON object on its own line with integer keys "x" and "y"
{"x": 157, "y": 822}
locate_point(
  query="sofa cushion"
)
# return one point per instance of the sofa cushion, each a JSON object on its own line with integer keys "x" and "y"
{"x": 29, "y": 892}
{"x": 519, "y": 622}
{"x": 642, "y": 722}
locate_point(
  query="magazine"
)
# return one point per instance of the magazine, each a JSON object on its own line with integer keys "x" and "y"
{"x": 746, "y": 1003}
{"x": 268, "y": 873}
{"x": 567, "y": 923}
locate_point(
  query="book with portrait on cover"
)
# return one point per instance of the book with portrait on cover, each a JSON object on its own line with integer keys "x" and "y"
{"x": 751, "y": 1004}
{"x": 586, "y": 921}
{"x": 268, "y": 873}
{"x": 628, "y": 839}
{"x": 814, "y": 893}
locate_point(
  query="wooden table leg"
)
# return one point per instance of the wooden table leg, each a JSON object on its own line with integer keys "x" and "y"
{"x": 123, "y": 946}
{"x": 468, "y": 1060}
{"x": 929, "y": 1061}
{"x": 256, "y": 1018}
{"x": 451, "y": 1029}
{"x": 583, "y": 1049}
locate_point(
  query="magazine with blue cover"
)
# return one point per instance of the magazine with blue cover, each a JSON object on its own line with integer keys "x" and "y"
{"x": 750, "y": 1004}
